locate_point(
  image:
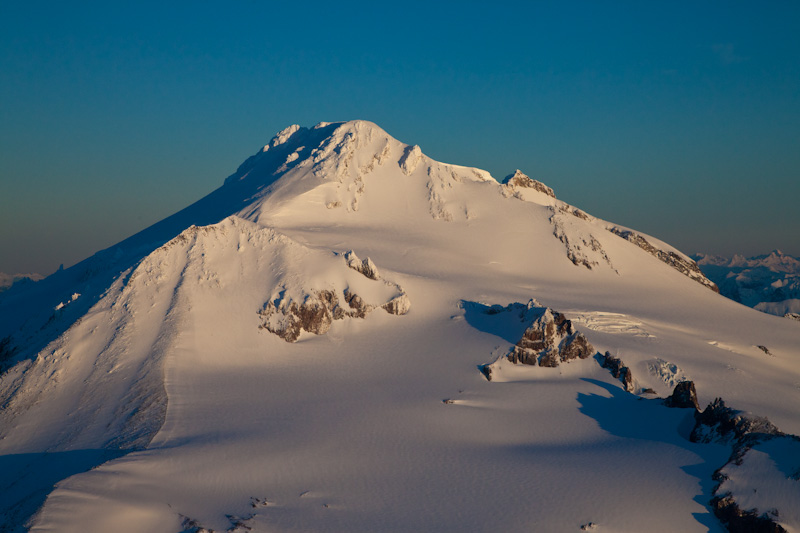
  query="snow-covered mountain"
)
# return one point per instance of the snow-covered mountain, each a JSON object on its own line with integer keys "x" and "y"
{"x": 769, "y": 283}
{"x": 350, "y": 336}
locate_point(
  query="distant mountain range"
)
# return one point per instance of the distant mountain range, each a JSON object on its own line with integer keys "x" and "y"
{"x": 769, "y": 283}
{"x": 7, "y": 280}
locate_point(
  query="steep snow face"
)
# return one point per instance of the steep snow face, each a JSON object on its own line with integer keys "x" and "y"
{"x": 337, "y": 173}
{"x": 301, "y": 351}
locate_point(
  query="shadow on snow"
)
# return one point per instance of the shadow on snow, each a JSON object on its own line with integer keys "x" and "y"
{"x": 26, "y": 480}
{"x": 631, "y": 417}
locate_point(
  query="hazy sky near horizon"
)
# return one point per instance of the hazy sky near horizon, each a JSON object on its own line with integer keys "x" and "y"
{"x": 678, "y": 119}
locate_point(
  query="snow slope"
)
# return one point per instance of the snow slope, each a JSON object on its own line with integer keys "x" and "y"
{"x": 301, "y": 351}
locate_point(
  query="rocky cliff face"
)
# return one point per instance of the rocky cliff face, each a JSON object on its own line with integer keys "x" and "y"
{"x": 750, "y": 437}
{"x": 520, "y": 180}
{"x": 685, "y": 266}
{"x": 315, "y": 310}
{"x": 550, "y": 340}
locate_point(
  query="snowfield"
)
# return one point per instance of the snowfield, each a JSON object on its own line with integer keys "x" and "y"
{"x": 302, "y": 350}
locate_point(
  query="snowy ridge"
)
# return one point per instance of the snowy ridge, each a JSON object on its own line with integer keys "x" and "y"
{"x": 165, "y": 396}
{"x": 587, "y": 250}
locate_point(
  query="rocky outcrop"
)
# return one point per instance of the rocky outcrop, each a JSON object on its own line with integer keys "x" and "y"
{"x": 684, "y": 396}
{"x": 399, "y": 305}
{"x": 287, "y": 318}
{"x": 687, "y": 267}
{"x": 719, "y": 423}
{"x": 294, "y": 309}
{"x": 549, "y": 341}
{"x": 520, "y": 180}
{"x": 366, "y": 267}
{"x": 314, "y": 314}
{"x": 583, "y": 248}
{"x": 617, "y": 369}
{"x": 738, "y": 521}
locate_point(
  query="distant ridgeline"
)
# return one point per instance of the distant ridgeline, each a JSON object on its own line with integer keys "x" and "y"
{"x": 7, "y": 280}
{"x": 769, "y": 283}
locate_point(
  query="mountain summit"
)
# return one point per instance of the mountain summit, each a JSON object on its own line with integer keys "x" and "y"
{"x": 348, "y": 335}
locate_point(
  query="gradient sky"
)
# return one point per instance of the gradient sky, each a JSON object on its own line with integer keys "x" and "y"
{"x": 679, "y": 119}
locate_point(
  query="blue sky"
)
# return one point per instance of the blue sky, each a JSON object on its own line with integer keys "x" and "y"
{"x": 679, "y": 119}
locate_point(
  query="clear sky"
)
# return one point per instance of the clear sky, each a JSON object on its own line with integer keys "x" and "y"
{"x": 679, "y": 119}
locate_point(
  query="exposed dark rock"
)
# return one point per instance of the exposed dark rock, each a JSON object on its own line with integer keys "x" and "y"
{"x": 687, "y": 267}
{"x": 579, "y": 245}
{"x": 574, "y": 211}
{"x": 738, "y": 521}
{"x": 764, "y": 349}
{"x": 683, "y": 396}
{"x": 519, "y": 179}
{"x": 359, "y": 308}
{"x": 792, "y": 316}
{"x": 238, "y": 524}
{"x": 255, "y": 503}
{"x": 448, "y": 401}
{"x": 617, "y": 369}
{"x": 486, "y": 370}
{"x": 574, "y": 251}
{"x": 190, "y": 525}
{"x": 719, "y": 423}
{"x": 314, "y": 315}
{"x": 314, "y": 311}
{"x": 549, "y": 341}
